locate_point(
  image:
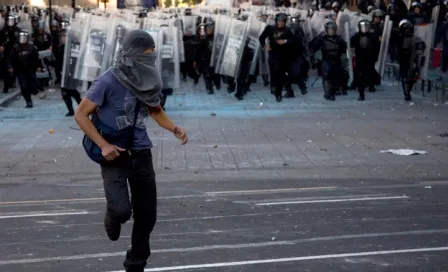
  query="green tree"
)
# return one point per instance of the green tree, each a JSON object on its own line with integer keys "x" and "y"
{"x": 176, "y": 3}
{"x": 167, "y": 3}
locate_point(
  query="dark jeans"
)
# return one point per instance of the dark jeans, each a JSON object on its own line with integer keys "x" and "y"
{"x": 138, "y": 171}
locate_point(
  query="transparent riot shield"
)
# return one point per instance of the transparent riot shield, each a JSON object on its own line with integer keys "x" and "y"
{"x": 97, "y": 37}
{"x": 254, "y": 31}
{"x": 426, "y": 34}
{"x": 385, "y": 40}
{"x": 317, "y": 22}
{"x": 119, "y": 33}
{"x": 178, "y": 24}
{"x": 71, "y": 56}
{"x": 189, "y": 24}
{"x": 170, "y": 58}
{"x": 347, "y": 35}
{"x": 218, "y": 38}
{"x": 25, "y": 25}
{"x": 232, "y": 49}
{"x": 157, "y": 36}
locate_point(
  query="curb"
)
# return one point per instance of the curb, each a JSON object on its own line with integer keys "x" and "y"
{"x": 9, "y": 98}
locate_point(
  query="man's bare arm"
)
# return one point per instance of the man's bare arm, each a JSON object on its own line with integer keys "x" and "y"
{"x": 159, "y": 115}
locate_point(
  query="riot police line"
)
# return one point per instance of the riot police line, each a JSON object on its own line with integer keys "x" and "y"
{"x": 223, "y": 46}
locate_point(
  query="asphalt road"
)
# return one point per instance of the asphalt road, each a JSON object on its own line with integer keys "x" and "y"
{"x": 284, "y": 225}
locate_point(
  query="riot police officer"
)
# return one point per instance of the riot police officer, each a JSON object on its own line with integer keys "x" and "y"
{"x": 8, "y": 38}
{"x": 24, "y": 62}
{"x": 410, "y": 50}
{"x": 332, "y": 47}
{"x": 282, "y": 45}
{"x": 377, "y": 22}
{"x": 203, "y": 58}
{"x": 416, "y": 17}
{"x": 42, "y": 39}
{"x": 367, "y": 45}
{"x": 67, "y": 93}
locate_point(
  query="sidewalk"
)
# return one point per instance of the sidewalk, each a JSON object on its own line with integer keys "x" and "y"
{"x": 255, "y": 134}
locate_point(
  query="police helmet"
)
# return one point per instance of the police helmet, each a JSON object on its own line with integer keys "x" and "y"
{"x": 10, "y": 21}
{"x": 406, "y": 27}
{"x": 415, "y": 5}
{"x": 65, "y": 24}
{"x": 201, "y": 30}
{"x": 188, "y": 12}
{"x": 370, "y": 9}
{"x": 311, "y": 12}
{"x": 364, "y": 26}
{"x": 336, "y": 6}
{"x": 391, "y": 10}
{"x": 16, "y": 18}
{"x": 41, "y": 24}
{"x": 331, "y": 28}
{"x": 378, "y": 13}
{"x": 24, "y": 37}
{"x": 281, "y": 17}
{"x": 54, "y": 23}
{"x": 328, "y": 5}
{"x": 120, "y": 31}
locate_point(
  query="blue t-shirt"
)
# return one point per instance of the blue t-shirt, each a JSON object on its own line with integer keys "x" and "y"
{"x": 116, "y": 108}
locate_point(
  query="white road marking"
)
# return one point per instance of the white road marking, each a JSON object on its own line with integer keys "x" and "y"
{"x": 332, "y": 200}
{"x": 44, "y": 214}
{"x": 293, "y": 259}
{"x": 234, "y": 246}
{"x": 270, "y": 190}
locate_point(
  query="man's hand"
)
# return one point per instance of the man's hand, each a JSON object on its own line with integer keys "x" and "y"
{"x": 180, "y": 134}
{"x": 111, "y": 152}
{"x": 2, "y": 49}
{"x": 39, "y": 69}
{"x": 380, "y": 38}
{"x": 10, "y": 70}
{"x": 194, "y": 64}
{"x": 267, "y": 47}
{"x": 281, "y": 42}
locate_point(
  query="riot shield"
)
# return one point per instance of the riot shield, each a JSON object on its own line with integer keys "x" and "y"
{"x": 178, "y": 24}
{"x": 189, "y": 24}
{"x": 349, "y": 60}
{"x": 157, "y": 36}
{"x": 25, "y": 25}
{"x": 385, "y": 40}
{"x": 170, "y": 58}
{"x": 426, "y": 34}
{"x": 232, "y": 49}
{"x": 71, "y": 56}
{"x": 97, "y": 36}
{"x": 117, "y": 42}
{"x": 254, "y": 31}
{"x": 317, "y": 22}
{"x": 218, "y": 38}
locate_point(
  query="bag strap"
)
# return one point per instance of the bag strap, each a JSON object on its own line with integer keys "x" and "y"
{"x": 131, "y": 136}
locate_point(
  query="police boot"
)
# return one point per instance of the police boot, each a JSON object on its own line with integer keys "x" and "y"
{"x": 210, "y": 90}
{"x": 29, "y": 105}
{"x": 231, "y": 87}
{"x": 372, "y": 89}
{"x": 361, "y": 94}
{"x": 289, "y": 92}
{"x": 406, "y": 91}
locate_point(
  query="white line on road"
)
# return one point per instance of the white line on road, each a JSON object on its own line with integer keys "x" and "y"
{"x": 234, "y": 246}
{"x": 332, "y": 200}
{"x": 294, "y": 259}
{"x": 271, "y": 190}
{"x": 44, "y": 214}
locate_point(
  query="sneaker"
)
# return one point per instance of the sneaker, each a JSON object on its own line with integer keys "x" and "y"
{"x": 278, "y": 99}
{"x": 289, "y": 95}
{"x": 29, "y": 105}
{"x": 304, "y": 91}
{"x": 113, "y": 228}
{"x": 70, "y": 113}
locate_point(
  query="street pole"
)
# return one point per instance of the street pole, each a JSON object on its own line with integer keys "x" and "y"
{"x": 50, "y": 17}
